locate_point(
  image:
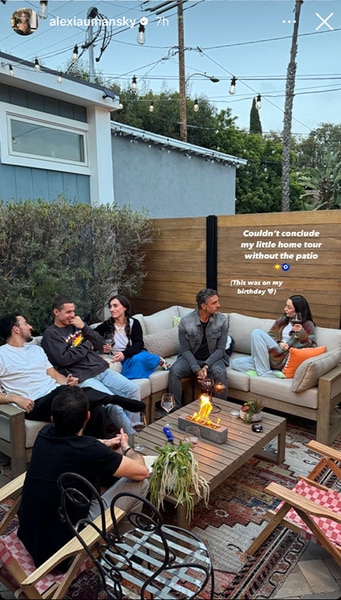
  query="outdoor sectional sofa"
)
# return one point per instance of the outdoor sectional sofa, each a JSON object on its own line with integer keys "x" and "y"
{"x": 313, "y": 393}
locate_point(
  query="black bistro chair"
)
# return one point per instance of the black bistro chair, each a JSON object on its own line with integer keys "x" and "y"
{"x": 151, "y": 560}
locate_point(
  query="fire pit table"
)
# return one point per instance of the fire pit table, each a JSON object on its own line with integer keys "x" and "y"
{"x": 217, "y": 461}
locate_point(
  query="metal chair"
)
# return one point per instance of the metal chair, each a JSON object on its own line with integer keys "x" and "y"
{"x": 311, "y": 509}
{"x": 150, "y": 560}
{"x": 17, "y": 570}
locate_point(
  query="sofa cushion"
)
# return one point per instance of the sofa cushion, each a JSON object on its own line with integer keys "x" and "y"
{"x": 308, "y": 373}
{"x": 280, "y": 389}
{"x": 163, "y": 343}
{"x": 297, "y": 356}
{"x": 163, "y": 319}
{"x": 241, "y": 327}
{"x": 326, "y": 336}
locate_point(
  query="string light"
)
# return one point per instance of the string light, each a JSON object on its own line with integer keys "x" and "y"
{"x": 134, "y": 83}
{"x": 151, "y": 107}
{"x": 259, "y": 102}
{"x": 75, "y": 54}
{"x": 11, "y": 70}
{"x": 36, "y": 65}
{"x": 141, "y": 38}
{"x": 43, "y": 9}
{"x": 196, "y": 105}
{"x": 233, "y": 85}
{"x": 60, "y": 77}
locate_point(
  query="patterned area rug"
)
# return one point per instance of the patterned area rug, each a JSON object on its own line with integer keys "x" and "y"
{"x": 236, "y": 514}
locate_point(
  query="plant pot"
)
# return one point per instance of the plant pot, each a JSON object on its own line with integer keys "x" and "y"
{"x": 254, "y": 419}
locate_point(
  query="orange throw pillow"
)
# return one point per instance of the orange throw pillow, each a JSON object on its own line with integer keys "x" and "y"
{"x": 297, "y": 356}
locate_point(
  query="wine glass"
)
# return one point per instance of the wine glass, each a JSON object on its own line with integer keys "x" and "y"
{"x": 138, "y": 427}
{"x": 167, "y": 403}
{"x": 109, "y": 339}
{"x": 207, "y": 384}
{"x": 296, "y": 320}
{"x": 192, "y": 435}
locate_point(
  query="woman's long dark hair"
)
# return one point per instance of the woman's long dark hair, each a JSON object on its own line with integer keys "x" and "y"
{"x": 125, "y": 302}
{"x": 301, "y": 306}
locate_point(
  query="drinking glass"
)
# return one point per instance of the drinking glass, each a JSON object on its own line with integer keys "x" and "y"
{"x": 192, "y": 435}
{"x": 167, "y": 403}
{"x": 138, "y": 427}
{"x": 109, "y": 339}
{"x": 206, "y": 384}
{"x": 296, "y": 320}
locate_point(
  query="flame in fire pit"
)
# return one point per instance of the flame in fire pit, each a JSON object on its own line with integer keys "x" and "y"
{"x": 203, "y": 416}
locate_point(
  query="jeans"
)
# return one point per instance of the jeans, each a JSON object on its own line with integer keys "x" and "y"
{"x": 123, "y": 485}
{"x": 259, "y": 360}
{"x": 109, "y": 381}
{"x": 181, "y": 369}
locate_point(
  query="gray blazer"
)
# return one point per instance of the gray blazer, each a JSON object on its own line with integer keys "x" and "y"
{"x": 191, "y": 334}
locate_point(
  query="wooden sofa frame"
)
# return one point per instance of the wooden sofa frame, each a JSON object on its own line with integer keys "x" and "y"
{"x": 328, "y": 421}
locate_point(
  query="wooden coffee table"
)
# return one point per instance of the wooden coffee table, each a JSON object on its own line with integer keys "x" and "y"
{"x": 218, "y": 461}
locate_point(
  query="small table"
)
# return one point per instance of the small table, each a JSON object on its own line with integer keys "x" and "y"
{"x": 218, "y": 461}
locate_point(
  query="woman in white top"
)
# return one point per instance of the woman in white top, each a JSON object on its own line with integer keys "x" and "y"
{"x": 126, "y": 341}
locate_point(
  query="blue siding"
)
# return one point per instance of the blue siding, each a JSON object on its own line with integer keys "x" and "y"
{"x": 22, "y": 183}
{"x": 16, "y": 96}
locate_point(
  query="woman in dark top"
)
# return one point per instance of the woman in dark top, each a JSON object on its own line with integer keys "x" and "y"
{"x": 124, "y": 339}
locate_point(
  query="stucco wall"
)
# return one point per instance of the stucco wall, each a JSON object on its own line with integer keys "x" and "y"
{"x": 168, "y": 183}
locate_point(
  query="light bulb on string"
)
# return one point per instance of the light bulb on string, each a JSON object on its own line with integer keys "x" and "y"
{"x": 134, "y": 83}
{"x": 233, "y": 86}
{"x": 151, "y": 107}
{"x": 36, "y": 65}
{"x": 259, "y": 102}
{"x": 196, "y": 105}
{"x": 141, "y": 38}
{"x": 75, "y": 53}
{"x": 43, "y": 9}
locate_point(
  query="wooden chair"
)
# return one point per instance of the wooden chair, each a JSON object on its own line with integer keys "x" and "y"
{"x": 17, "y": 436}
{"x": 149, "y": 559}
{"x": 310, "y": 508}
{"x": 17, "y": 570}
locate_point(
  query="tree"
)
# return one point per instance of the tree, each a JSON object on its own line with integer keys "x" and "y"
{"x": 255, "y": 124}
{"x": 87, "y": 252}
{"x": 323, "y": 183}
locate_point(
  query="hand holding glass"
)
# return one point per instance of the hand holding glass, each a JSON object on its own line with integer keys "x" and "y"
{"x": 296, "y": 320}
{"x": 167, "y": 403}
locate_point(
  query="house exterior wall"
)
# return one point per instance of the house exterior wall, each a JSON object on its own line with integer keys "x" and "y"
{"x": 20, "y": 182}
{"x": 169, "y": 184}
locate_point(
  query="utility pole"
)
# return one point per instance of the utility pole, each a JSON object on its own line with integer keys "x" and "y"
{"x": 182, "y": 81}
{"x": 287, "y": 121}
{"x": 158, "y": 10}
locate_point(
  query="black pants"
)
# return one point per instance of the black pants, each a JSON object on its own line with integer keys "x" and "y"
{"x": 96, "y": 426}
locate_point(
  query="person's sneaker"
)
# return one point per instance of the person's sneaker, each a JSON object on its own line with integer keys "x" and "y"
{"x": 164, "y": 364}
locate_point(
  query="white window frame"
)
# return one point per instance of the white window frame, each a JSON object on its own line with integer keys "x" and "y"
{"x": 33, "y": 117}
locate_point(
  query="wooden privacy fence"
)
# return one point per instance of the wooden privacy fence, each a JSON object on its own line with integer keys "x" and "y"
{"x": 254, "y": 261}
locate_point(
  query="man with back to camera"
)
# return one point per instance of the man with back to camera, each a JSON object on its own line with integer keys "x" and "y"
{"x": 71, "y": 345}
{"x": 203, "y": 337}
{"x": 62, "y": 447}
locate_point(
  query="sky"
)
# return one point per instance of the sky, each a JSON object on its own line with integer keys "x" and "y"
{"x": 247, "y": 39}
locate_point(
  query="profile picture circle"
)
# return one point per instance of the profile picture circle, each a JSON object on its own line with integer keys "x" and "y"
{"x": 24, "y": 21}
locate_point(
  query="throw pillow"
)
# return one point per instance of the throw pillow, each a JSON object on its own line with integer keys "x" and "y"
{"x": 164, "y": 343}
{"x": 309, "y": 372}
{"x": 297, "y": 356}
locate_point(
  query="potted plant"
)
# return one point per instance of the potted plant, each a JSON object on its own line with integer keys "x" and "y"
{"x": 176, "y": 472}
{"x": 251, "y": 411}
